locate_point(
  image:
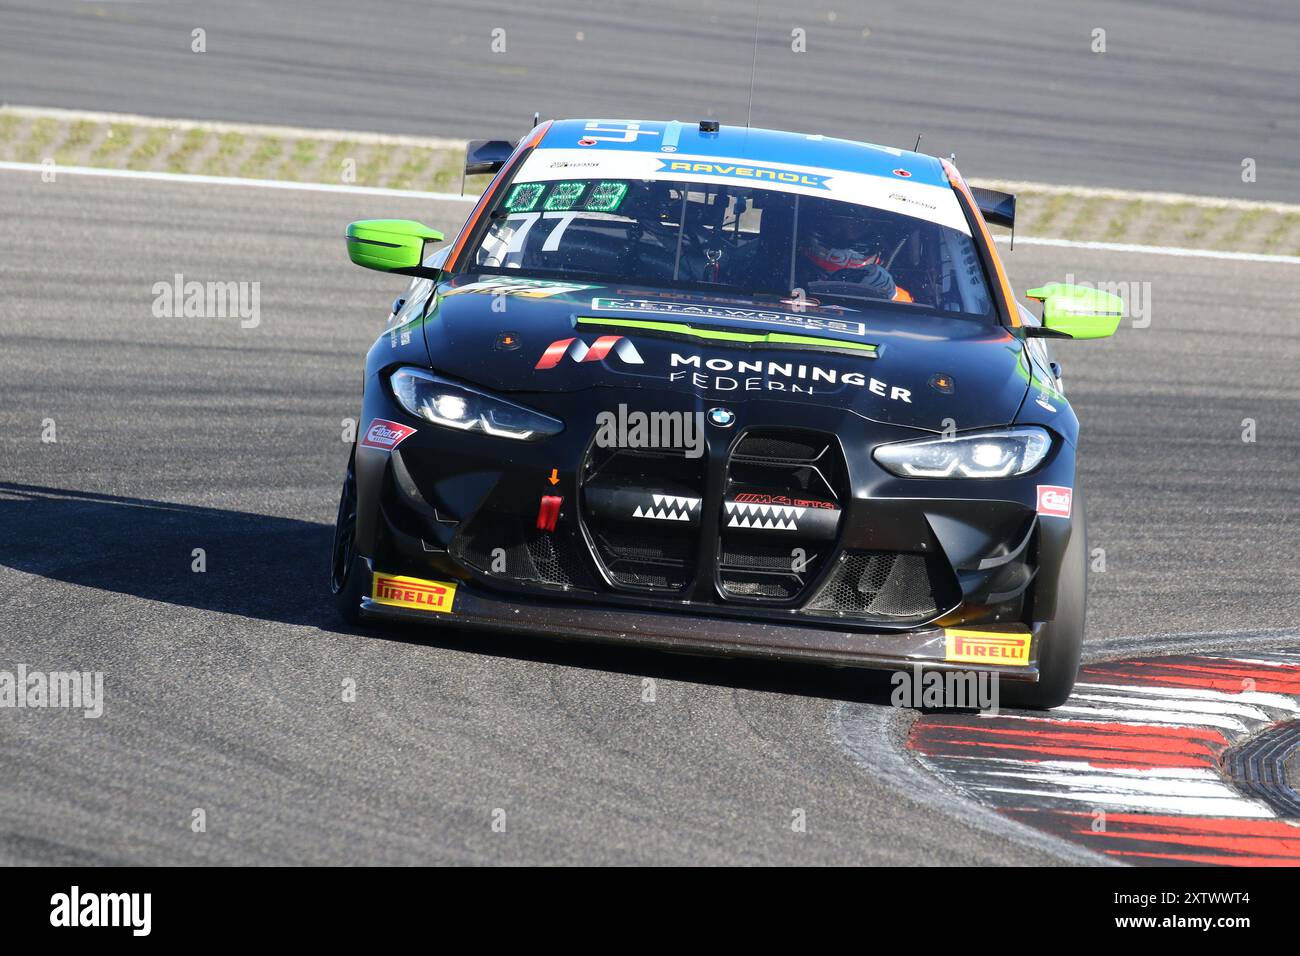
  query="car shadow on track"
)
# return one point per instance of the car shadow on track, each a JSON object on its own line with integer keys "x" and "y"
{"x": 276, "y": 569}
{"x": 258, "y": 566}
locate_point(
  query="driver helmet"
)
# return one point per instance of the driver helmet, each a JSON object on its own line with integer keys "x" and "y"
{"x": 838, "y": 241}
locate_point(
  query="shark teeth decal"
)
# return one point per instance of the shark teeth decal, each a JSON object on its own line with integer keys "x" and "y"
{"x": 745, "y": 514}
{"x": 676, "y": 501}
{"x": 668, "y": 508}
{"x": 765, "y": 524}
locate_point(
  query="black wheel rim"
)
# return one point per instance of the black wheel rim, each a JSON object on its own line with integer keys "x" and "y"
{"x": 345, "y": 528}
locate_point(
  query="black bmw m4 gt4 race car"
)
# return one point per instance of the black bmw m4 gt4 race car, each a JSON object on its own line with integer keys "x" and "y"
{"x": 724, "y": 391}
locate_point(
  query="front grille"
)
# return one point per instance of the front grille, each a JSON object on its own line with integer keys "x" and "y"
{"x": 766, "y": 572}
{"x": 642, "y": 512}
{"x": 643, "y": 560}
{"x": 779, "y": 520}
{"x": 511, "y": 548}
{"x": 884, "y": 585}
{"x": 780, "y": 514}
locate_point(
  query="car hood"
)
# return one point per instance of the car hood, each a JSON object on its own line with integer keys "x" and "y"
{"x": 914, "y": 370}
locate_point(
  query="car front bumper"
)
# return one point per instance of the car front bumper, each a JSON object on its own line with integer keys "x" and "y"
{"x": 441, "y": 505}
{"x": 680, "y": 632}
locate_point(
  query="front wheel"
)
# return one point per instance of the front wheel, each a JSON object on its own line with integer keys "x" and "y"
{"x": 347, "y": 568}
{"x": 1061, "y": 639}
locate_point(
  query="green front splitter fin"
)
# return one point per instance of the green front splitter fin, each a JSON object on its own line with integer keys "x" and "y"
{"x": 865, "y": 349}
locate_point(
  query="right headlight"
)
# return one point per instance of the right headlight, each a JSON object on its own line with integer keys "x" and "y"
{"x": 466, "y": 409}
{"x": 999, "y": 453}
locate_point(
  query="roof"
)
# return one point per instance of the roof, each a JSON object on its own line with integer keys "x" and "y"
{"x": 739, "y": 142}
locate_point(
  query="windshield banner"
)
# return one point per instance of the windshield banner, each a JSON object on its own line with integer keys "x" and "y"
{"x": 937, "y": 204}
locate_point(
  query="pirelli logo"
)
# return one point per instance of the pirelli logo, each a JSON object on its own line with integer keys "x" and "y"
{"x": 397, "y": 591}
{"x": 986, "y": 647}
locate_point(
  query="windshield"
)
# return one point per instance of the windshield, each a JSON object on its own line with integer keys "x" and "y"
{"x": 743, "y": 239}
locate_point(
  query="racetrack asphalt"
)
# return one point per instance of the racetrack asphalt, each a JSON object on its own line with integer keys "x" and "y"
{"x": 224, "y": 689}
{"x": 1184, "y": 92}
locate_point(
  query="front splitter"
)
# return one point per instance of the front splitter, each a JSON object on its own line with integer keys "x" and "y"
{"x": 687, "y": 633}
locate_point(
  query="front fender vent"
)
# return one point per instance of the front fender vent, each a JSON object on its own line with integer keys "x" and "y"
{"x": 885, "y": 586}
{"x": 511, "y": 549}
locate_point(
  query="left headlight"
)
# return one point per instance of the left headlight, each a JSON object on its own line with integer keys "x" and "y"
{"x": 991, "y": 454}
{"x": 465, "y": 409}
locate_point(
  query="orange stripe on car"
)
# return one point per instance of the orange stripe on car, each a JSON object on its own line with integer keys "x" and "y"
{"x": 485, "y": 201}
{"x": 959, "y": 184}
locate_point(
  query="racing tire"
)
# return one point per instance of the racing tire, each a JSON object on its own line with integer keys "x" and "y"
{"x": 1061, "y": 640}
{"x": 348, "y": 576}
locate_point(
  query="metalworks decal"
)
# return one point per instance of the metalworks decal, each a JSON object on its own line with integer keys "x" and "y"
{"x": 807, "y": 323}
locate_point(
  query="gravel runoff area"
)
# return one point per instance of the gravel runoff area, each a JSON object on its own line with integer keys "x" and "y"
{"x": 427, "y": 164}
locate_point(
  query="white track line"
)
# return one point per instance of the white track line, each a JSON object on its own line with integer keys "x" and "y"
{"x": 193, "y": 179}
{"x": 1262, "y": 698}
{"x": 1192, "y": 708}
{"x": 1140, "y": 716}
{"x": 1132, "y": 195}
{"x": 451, "y": 143}
{"x": 456, "y": 197}
{"x": 247, "y": 129}
{"x": 1183, "y": 791}
{"x": 1151, "y": 250}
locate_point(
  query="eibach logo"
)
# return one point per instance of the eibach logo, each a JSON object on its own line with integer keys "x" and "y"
{"x": 398, "y": 591}
{"x": 579, "y": 351}
{"x": 385, "y": 434}
{"x": 1054, "y": 500}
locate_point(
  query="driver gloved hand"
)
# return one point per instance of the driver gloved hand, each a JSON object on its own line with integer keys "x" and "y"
{"x": 878, "y": 281}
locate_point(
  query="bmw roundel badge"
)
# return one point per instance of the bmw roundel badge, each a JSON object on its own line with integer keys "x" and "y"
{"x": 722, "y": 417}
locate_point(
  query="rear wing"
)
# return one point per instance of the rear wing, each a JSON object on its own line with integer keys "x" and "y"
{"x": 486, "y": 155}
{"x": 998, "y": 208}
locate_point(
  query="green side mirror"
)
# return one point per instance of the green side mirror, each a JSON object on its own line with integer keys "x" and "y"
{"x": 391, "y": 245}
{"x": 1077, "y": 311}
